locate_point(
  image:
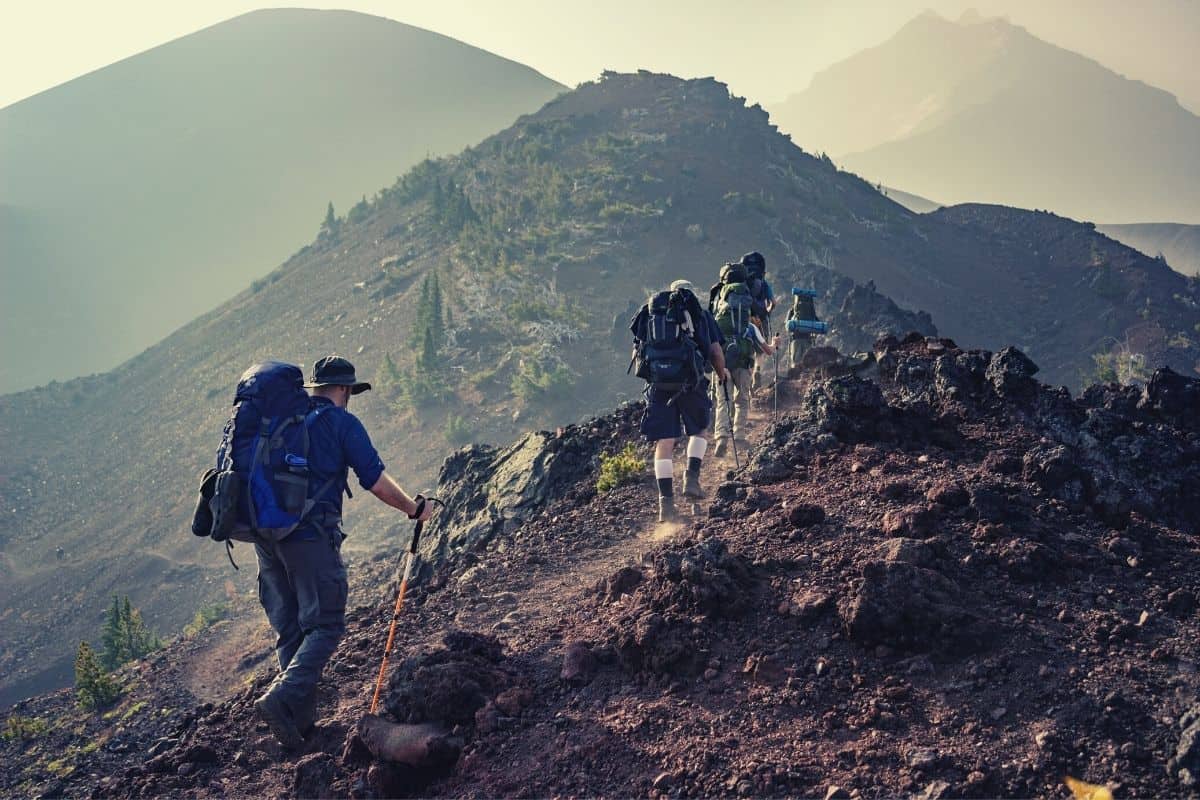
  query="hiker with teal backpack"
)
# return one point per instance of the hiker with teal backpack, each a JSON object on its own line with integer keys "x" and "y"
{"x": 282, "y": 468}
{"x": 733, "y": 306}
{"x": 802, "y": 324}
{"x": 675, "y": 343}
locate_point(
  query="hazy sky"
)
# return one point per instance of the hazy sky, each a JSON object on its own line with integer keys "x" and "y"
{"x": 764, "y": 49}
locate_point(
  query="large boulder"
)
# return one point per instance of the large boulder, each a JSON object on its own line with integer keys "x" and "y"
{"x": 910, "y": 607}
{"x": 489, "y": 491}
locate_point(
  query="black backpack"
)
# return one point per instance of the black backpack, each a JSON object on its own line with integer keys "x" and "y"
{"x": 669, "y": 357}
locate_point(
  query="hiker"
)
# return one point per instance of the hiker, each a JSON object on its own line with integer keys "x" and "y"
{"x": 59, "y": 553}
{"x": 803, "y": 308}
{"x": 301, "y": 578}
{"x": 675, "y": 343}
{"x": 764, "y": 296}
{"x": 735, "y": 309}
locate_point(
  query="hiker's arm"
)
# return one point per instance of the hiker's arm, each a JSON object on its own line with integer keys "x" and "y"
{"x": 716, "y": 357}
{"x": 387, "y": 490}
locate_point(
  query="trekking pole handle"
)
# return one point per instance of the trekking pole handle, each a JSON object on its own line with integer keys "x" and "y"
{"x": 421, "y": 501}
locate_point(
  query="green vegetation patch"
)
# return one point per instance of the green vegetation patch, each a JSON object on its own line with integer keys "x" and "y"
{"x": 206, "y": 617}
{"x": 21, "y": 729}
{"x": 620, "y": 468}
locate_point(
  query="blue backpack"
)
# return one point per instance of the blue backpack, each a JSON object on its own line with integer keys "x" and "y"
{"x": 260, "y": 490}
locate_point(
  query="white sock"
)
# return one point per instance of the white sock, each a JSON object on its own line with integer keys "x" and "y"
{"x": 697, "y": 447}
{"x": 663, "y": 468}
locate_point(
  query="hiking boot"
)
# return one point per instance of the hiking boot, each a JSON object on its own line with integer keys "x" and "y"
{"x": 305, "y": 714}
{"x": 691, "y": 486}
{"x": 666, "y": 509}
{"x": 278, "y": 717}
{"x": 721, "y": 449}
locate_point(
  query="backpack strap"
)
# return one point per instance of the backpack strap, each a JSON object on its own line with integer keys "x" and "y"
{"x": 311, "y": 502}
{"x": 260, "y": 447}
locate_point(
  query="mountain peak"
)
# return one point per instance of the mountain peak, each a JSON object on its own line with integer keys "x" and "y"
{"x": 980, "y": 109}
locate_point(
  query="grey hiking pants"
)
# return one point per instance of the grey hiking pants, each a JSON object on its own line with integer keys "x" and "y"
{"x": 302, "y": 586}
{"x": 739, "y": 394}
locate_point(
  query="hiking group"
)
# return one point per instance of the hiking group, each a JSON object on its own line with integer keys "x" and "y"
{"x": 281, "y": 472}
{"x": 283, "y": 464}
{"x": 678, "y": 344}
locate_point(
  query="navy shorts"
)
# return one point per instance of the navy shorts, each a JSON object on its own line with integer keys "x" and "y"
{"x": 691, "y": 412}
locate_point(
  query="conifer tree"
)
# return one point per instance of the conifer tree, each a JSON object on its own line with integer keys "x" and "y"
{"x": 429, "y": 354}
{"x": 329, "y": 226}
{"x": 436, "y": 323}
{"x": 125, "y": 635}
{"x": 94, "y": 687}
{"x": 112, "y": 638}
{"x": 389, "y": 374}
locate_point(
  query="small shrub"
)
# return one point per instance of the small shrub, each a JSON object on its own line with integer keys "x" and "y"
{"x": 21, "y": 729}
{"x": 620, "y": 468}
{"x": 206, "y": 617}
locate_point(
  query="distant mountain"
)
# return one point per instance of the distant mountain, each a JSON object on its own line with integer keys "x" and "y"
{"x": 146, "y": 192}
{"x": 543, "y": 237}
{"x": 1178, "y": 244}
{"x": 980, "y": 110}
{"x": 913, "y": 202}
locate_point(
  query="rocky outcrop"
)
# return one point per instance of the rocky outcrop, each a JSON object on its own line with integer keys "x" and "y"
{"x": 489, "y": 491}
{"x": 1115, "y": 450}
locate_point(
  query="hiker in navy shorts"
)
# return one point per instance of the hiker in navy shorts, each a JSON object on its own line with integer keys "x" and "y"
{"x": 676, "y": 343}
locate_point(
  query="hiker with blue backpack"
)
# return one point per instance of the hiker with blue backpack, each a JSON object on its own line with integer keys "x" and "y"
{"x": 676, "y": 342}
{"x": 760, "y": 289}
{"x": 282, "y": 469}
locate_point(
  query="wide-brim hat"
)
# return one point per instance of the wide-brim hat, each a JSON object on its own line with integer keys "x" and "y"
{"x": 336, "y": 371}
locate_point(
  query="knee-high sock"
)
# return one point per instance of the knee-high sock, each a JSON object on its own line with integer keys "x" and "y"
{"x": 696, "y": 448}
{"x": 664, "y": 468}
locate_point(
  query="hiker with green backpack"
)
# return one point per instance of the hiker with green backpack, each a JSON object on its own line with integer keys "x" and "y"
{"x": 675, "y": 343}
{"x": 735, "y": 308}
{"x": 282, "y": 469}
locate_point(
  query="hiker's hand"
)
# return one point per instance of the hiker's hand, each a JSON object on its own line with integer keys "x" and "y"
{"x": 422, "y": 509}
{"x": 722, "y": 374}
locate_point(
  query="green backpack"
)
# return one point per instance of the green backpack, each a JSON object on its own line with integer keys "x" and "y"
{"x": 733, "y": 309}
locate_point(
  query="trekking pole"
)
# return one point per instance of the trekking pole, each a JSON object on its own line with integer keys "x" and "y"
{"x": 729, "y": 414}
{"x": 775, "y": 359}
{"x": 408, "y": 565}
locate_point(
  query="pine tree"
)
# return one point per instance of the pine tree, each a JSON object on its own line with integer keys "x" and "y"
{"x": 112, "y": 638}
{"x": 125, "y": 635}
{"x": 94, "y": 687}
{"x": 330, "y": 226}
{"x": 428, "y": 361}
{"x": 436, "y": 323}
{"x": 389, "y": 374}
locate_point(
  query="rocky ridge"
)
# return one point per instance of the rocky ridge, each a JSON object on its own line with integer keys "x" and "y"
{"x": 951, "y": 581}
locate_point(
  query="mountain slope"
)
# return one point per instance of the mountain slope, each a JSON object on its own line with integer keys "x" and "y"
{"x": 542, "y": 237}
{"x": 980, "y": 110}
{"x": 174, "y": 178}
{"x": 1179, "y": 244}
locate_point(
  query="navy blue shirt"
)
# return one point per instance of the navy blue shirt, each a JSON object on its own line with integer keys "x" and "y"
{"x": 338, "y": 442}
